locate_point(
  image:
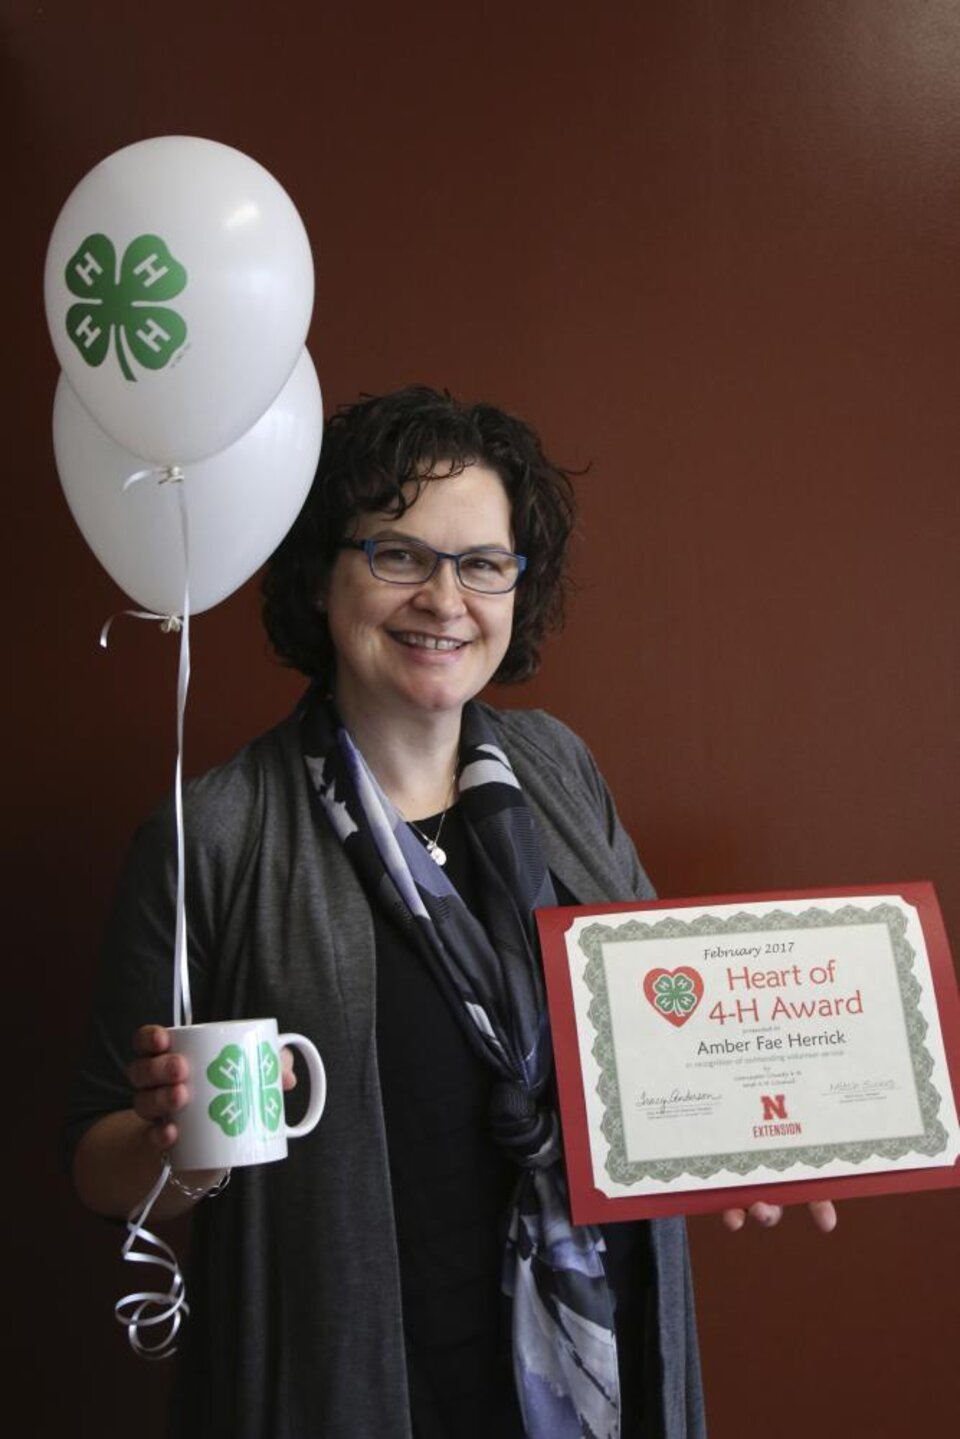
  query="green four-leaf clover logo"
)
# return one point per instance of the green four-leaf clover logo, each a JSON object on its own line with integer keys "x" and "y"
{"x": 674, "y": 994}
{"x": 230, "y": 1073}
{"x": 271, "y": 1098}
{"x": 126, "y": 308}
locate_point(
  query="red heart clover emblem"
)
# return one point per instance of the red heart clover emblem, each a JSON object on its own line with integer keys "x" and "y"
{"x": 674, "y": 993}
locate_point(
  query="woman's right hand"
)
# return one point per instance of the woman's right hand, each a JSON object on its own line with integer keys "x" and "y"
{"x": 159, "y": 1078}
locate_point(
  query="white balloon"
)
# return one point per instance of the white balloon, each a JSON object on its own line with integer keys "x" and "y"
{"x": 178, "y": 288}
{"x": 240, "y": 503}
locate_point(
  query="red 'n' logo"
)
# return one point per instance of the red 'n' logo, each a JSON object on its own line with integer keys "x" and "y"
{"x": 774, "y": 1106}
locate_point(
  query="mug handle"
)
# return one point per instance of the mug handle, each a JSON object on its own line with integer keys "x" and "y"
{"x": 318, "y": 1083}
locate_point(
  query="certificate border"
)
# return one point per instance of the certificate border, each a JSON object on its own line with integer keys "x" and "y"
{"x": 932, "y": 1140}
{"x": 588, "y": 1204}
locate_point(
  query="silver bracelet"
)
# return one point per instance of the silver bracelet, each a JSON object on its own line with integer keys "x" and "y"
{"x": 197, "y": 1191}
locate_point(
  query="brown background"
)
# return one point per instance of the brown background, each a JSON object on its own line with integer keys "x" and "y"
{"x": 709, "y": 247}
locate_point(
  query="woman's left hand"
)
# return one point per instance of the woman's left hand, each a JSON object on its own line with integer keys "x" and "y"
{"x": 288, "y": 1078}
{"x": 822, "y": 1213}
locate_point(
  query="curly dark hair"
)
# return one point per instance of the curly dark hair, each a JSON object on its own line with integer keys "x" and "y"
{"x": 372, "y": 452}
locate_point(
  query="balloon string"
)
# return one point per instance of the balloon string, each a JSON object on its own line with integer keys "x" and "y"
{"x": 182, "y": 1006}
{"x": 164, "y": 475}
{"x": 146, "y": 1309}
{"x": 170, "y": 624}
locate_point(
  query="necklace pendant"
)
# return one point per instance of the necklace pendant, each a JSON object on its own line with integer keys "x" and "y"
{"x": 438, "y": 855}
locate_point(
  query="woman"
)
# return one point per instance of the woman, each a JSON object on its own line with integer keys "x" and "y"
{"x": 367, "y": 872}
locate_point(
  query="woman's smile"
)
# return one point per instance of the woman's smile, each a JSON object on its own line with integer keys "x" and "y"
{"x": 442, "y": 644}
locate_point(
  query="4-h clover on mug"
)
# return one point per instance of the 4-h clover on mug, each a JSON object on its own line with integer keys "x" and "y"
{"x": 235, "y": 1115}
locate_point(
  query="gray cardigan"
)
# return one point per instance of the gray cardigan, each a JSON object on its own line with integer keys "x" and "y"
{"x": 295, "y": 1330}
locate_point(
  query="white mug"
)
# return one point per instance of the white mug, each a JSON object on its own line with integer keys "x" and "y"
{"x": 235, "y": 1115}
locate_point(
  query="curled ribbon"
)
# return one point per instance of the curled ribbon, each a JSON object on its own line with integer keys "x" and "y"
{"x": 146, "y": 1310}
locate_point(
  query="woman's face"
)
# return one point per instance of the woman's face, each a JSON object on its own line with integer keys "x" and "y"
{"x": 425, "y": 648}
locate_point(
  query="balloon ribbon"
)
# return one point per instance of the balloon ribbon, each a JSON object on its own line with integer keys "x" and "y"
{"x": 173, "y": 624}
{"x": 145, "y": 1310}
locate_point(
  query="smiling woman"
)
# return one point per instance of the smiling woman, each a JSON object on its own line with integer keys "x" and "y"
{"x": 411, "y": 1268}
{"x": 406, "y": 647}
{"x": 377, "y": 457}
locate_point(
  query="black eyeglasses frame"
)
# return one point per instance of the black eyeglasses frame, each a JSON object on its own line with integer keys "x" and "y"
{"x": 368, "y": 547}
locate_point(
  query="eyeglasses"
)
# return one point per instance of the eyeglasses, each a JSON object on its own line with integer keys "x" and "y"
{"x": 411, "y": 562}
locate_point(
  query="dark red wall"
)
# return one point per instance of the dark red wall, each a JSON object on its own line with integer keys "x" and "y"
{"x": 710, "y": 248}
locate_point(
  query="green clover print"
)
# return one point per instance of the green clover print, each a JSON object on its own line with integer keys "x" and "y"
{"x": 126, "y": 308}
{"x": 271, "y": 1099}
{"x": 230, "y": 1072}
{"x": 674, "y": 994}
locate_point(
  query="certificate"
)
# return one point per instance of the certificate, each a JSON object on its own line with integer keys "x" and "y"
{"x": 717, "y": 1051}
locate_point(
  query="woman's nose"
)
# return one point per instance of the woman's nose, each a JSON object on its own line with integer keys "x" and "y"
{"x": 442, "y": 593}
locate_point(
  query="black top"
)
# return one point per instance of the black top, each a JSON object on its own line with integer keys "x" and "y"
{"x": 451, "y": 1192}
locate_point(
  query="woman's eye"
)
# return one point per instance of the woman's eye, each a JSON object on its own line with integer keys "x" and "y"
{"x": 484, "y": 564}
{"x": 398, "y": 557}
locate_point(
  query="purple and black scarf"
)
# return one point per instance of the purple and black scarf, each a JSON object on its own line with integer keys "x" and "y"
{"x": 564, "y": 1347}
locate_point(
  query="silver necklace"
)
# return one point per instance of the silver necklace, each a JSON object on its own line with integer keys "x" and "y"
{"x": 438, "y": 855}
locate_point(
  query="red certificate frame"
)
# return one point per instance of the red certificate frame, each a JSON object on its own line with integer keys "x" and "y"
{"x": 589, "y": 1204}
